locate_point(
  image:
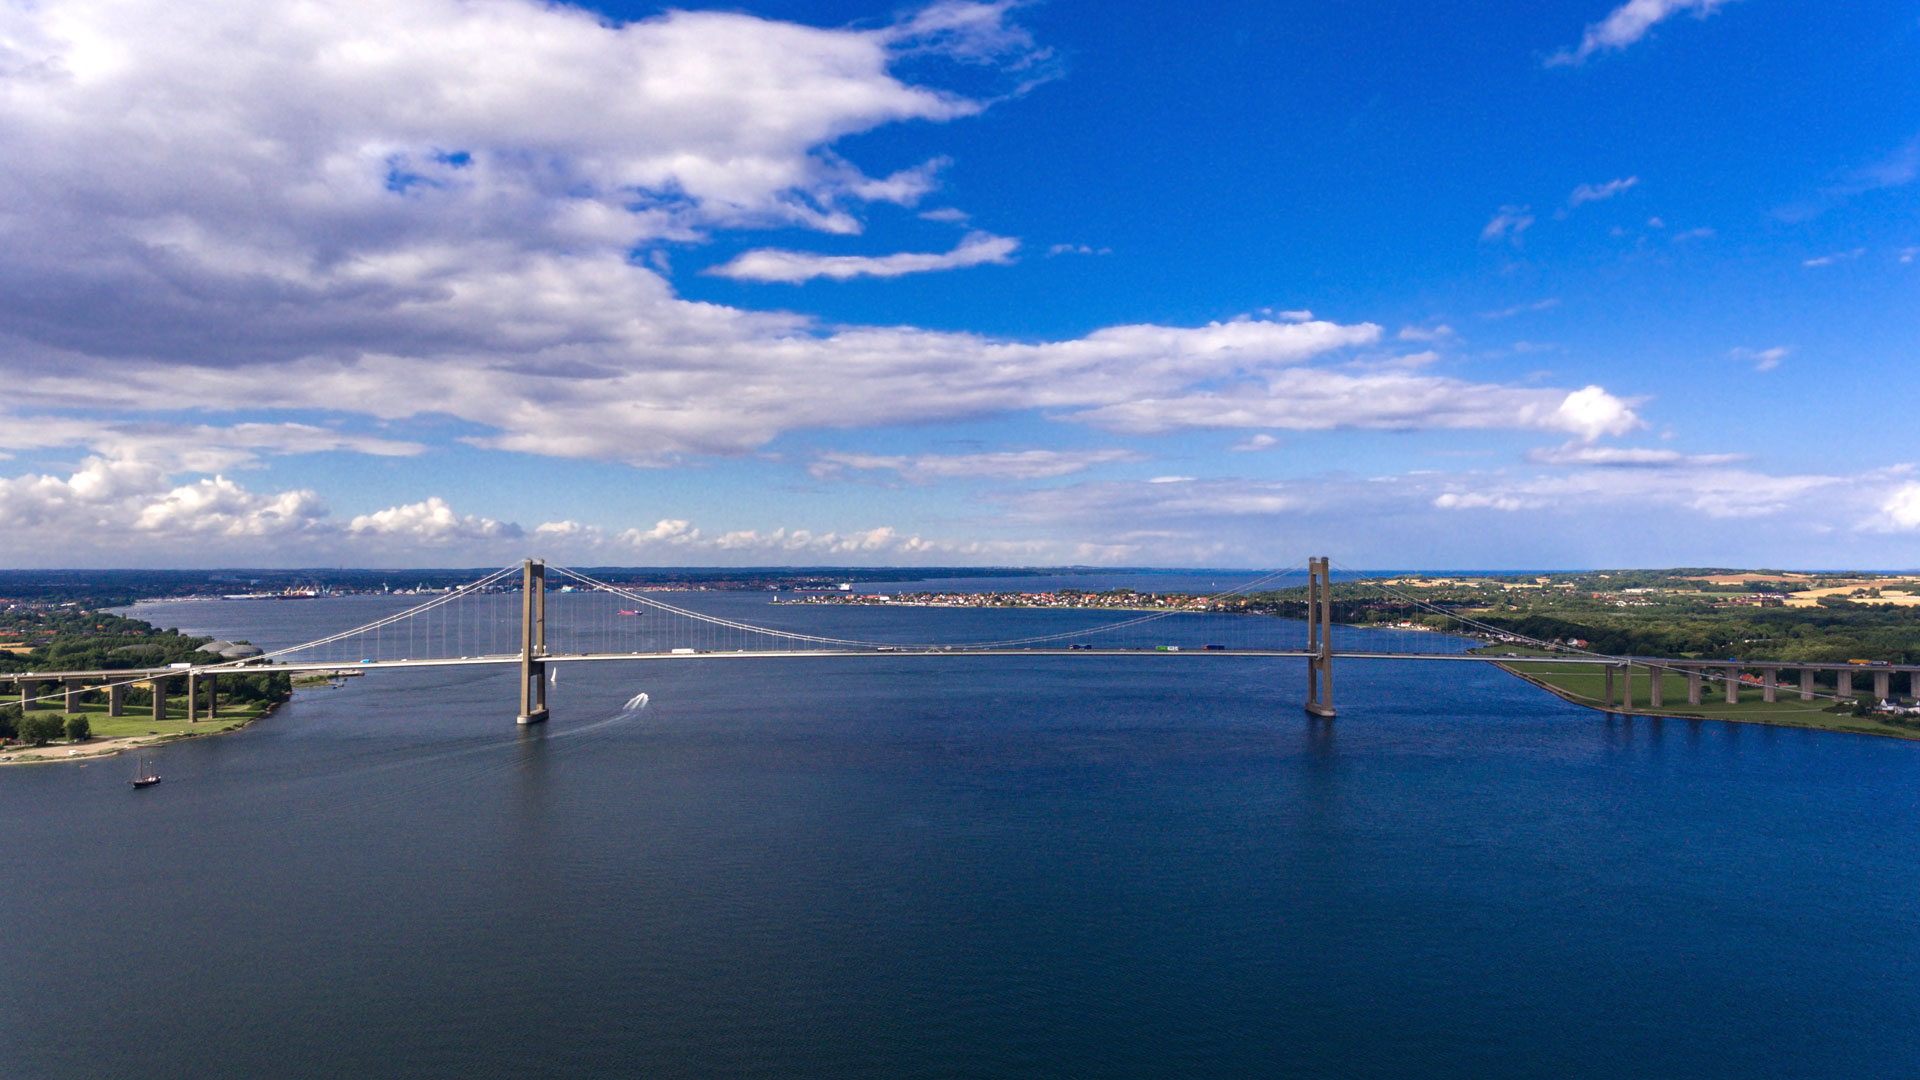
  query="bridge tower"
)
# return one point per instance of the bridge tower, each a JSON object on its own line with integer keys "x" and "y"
{"x": 1319, "y": 637}
{"x": 533, "y": 642}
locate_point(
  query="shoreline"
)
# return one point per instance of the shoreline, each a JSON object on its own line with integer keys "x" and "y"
{"x": 95, "y": 749}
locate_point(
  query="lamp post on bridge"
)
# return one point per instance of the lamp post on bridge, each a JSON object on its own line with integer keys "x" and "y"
{"x": 533, "y": 642}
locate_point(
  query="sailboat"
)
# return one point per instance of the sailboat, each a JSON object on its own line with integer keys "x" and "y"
{"x": 143, "y": 774}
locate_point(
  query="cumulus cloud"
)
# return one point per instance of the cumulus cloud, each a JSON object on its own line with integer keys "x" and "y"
{"x": 459, "y": 210}
{"x": 1255, "y": 443}
{"x": 1592, "y": 412}
{"x": 1629, "y": 23}
{"x": 133, "y": 511}
{"x": 363, "y": 207}
{"x": 1901, "y": 510}
{"x": 997, "y": 465}
{"x": 795, "y": 267}
{"x": 125, "y": 512}
{"x": 120, "y": 504}
{"x": 431, "y": 523}
{"x": 224, "y": 184}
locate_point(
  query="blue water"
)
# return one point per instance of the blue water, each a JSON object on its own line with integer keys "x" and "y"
{"x": 909, "y": 867}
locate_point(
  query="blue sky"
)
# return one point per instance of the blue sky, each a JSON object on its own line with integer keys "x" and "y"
{"x": 1483, "y": 284}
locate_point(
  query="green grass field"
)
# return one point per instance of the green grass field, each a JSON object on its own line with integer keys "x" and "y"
{"x": 1585, "y": 684}
{"x": 139, "y": 721}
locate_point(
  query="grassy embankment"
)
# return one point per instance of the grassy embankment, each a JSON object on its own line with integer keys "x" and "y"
{"x": 1585, "y": 684}
{"x": 140, "y": 721}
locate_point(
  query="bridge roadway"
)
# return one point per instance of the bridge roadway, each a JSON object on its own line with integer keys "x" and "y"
{"x": 115, "y": 682}
{"x": 313, "y": 666}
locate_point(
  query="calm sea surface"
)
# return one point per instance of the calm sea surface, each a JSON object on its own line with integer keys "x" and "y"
{"x": 965, "y": 867}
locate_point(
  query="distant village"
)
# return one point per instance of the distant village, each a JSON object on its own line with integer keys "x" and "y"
{"x": 1116, "y": 599}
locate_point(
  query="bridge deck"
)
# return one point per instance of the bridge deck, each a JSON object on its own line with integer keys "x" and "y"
{"x": 951, "y": 652}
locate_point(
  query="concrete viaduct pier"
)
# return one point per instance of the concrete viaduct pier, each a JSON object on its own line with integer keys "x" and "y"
{"x": 30, "y": 689}
{"x": 1619, "y": 685}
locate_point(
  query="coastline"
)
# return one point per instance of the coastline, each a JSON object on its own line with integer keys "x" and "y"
{"x": 94, "y": 749}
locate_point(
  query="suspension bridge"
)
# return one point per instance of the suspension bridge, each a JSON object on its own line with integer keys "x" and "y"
{"x": 534, "y": 617}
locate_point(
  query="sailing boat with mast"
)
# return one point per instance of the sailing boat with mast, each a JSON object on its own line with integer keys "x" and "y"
{"x": 144, "y": 774}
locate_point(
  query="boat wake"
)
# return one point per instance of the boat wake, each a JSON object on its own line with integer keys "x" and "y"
{"x": 628, "y": 711}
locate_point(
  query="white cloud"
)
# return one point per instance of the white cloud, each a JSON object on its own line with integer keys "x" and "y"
{"x": 128, "y": 503}
{"x": 566, "y": 532}
{"x": 1577, "y": 454}
{"x": 950, "y": 215}
{"x": 1897, "y": 169}
{"x": 1522, "y": 309}
{"x": 418, "y": 208}
{"x": 1474, "y": 500}
{"x": 1587, "y": 193}
{"x": 998, "y": 465}
{"x": 125, "y": 512}
{"x": 1321, "y": 400}
{"x": 1529, "y": 516}
{"x": 1714, "y": 492}
{"x": 201, "y": 448}
{"x": 219, "y": 507}
{"x": 673, "y": 531}
{"x": 680, "y": 541}
{"x": 795, "y": 267}
{"x": 1763, "y": 359}
{"x": 1592, "y": 412}
{"x": 1255, "y": 443}
{"x": 1442, "y": 332}
{"x": 1077, "y": 249}
{"x": 1836, "y": 257}
{"x": 1629, "y": 23}
{"x": 230, "y": 185}
{"x": 1508, "y": 224}
{"x": 431, "y": 523}
{"x": 903, "y": 188}
{"x": 1901, "y": 510}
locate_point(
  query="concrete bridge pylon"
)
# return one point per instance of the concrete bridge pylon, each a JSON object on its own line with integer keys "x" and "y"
{"x": 533, "y": 642}
{"x": 1319, "y": 638}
